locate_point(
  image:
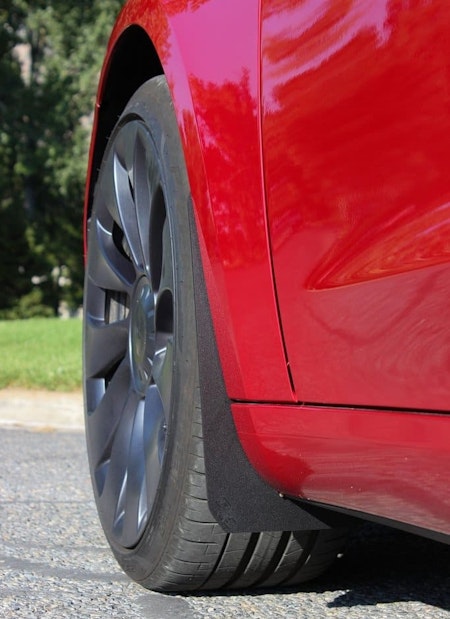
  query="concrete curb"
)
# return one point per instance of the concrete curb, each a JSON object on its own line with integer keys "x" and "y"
{"x": 41, "y": 409}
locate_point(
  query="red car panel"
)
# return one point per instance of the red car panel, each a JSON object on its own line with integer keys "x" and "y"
{"x": 356, "y": 131}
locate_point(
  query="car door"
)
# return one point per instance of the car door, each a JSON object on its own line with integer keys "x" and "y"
{"x": 356, "y": 134}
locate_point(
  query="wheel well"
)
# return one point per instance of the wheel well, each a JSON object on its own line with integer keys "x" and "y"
{"x": 133, "y": 61}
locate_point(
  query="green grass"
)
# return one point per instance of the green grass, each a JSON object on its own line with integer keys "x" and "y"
{"x": 41, "y": 353}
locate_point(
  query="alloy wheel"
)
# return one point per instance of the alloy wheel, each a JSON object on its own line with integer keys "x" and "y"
{"x": 129, "y": 333}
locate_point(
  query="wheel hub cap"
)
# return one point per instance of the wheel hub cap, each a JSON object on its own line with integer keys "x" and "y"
{"x": 142, "y": 335}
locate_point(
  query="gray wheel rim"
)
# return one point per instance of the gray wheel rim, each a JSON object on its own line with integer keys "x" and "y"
{"x": 129, "y": 333}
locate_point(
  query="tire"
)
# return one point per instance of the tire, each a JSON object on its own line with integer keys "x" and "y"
{"x": 142, "y": 400}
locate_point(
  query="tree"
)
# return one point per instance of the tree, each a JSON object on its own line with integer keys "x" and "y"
{"x": 50, "y": 58}
{"x": 14, "y": 249}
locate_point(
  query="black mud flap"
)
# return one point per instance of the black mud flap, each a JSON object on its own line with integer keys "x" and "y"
{"x": 239, "y": 499}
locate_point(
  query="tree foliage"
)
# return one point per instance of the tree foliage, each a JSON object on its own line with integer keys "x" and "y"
{"x": 50, "y": 57}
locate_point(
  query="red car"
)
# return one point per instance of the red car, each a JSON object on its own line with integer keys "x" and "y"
{"x": 267, "y": 325}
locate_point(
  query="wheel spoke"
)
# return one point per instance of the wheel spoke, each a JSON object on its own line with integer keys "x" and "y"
{"x": 105, "y": 199}
{"x": 162, "y": 373}
{"x": 113, "y": 499}
{"x": 108, "y": 268}
{"x": 136, "y": 504}
{"x": 103, "y": 419}
{"x": 106, "y": 344}
{"x": 167, "y": 260}
{"x": 154, "y": 439}
{"x": 146, "y": 182}
{"x": 127, "y": 211}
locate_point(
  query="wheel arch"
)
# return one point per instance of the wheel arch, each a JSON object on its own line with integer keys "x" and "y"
{"x": 132, "y": 61}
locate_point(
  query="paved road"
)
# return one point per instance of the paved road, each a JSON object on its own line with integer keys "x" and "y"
{"x": 54, "y": 562}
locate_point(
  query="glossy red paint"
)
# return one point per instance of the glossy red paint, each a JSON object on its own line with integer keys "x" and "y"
{"x": 389, "y": 464}
{"x": 356, "y": 124}
{"x": 348, "y": 115}
{"x": 214, "y": 84}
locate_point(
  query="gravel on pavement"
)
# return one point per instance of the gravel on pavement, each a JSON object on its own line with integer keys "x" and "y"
{"x": 55, "y": 562}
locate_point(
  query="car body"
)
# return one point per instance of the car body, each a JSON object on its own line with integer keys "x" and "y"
{"x": 316, "y": 137}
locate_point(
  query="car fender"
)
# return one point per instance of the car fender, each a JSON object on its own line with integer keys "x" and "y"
{"x": 217, "y": 107}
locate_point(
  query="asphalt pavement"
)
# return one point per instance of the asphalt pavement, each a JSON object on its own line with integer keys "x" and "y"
{"x": 55, "y": 563}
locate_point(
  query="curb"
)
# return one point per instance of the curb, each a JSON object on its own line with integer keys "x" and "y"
{"x": 41, "y": 409}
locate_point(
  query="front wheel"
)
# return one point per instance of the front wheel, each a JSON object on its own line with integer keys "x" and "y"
{"x": 142, "y": 402}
